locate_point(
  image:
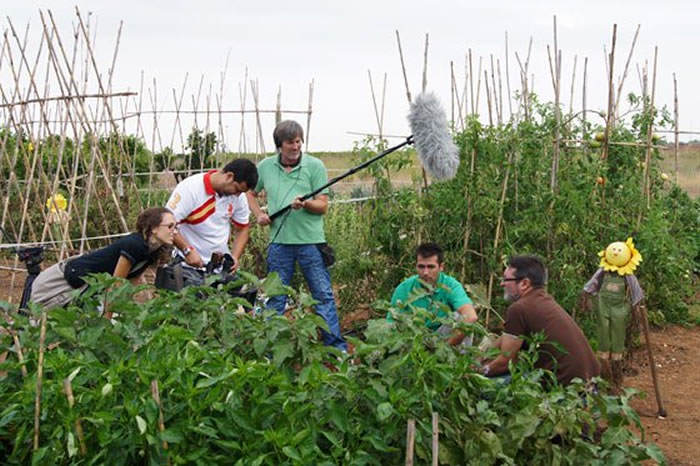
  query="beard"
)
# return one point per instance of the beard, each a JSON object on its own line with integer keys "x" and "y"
{"x": 510, "y": 298}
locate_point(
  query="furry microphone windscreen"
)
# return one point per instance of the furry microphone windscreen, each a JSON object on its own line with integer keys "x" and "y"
{"x": 436, "y": 149}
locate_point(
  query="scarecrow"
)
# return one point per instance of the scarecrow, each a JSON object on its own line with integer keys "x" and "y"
{"x": 618, "y": 292}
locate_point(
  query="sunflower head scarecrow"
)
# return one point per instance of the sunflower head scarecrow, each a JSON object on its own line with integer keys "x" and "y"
{"x": 617, "y": 291}
{"x": 620, "y": 257}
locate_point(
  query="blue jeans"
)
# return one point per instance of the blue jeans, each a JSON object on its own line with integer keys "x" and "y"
{"x": 281, "y": 259}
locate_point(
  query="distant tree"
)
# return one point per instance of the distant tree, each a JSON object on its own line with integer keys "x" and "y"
{"x": 201, "y": 147}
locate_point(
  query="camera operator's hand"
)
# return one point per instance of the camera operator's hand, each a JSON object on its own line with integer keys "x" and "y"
{"x": 194, "y": 259}
{"x": 263, "y": 219}
{"x": 234, "y": 266}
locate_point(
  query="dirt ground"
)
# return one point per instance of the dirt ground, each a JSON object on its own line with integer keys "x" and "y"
{"x": 675, "y": 351}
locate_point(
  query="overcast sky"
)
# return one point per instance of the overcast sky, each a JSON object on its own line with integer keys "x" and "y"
{"x": 288, "y": 44}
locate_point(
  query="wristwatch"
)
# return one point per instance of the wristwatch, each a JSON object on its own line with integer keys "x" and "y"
{"x": 186, "y": 252}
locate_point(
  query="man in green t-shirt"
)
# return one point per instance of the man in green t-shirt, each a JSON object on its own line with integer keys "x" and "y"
{"x": 433, "y": 290}
{"x": 296, "y": 235}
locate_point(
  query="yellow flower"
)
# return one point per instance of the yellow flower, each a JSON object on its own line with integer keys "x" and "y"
{"x": 620, "y": 257}
{"x": 56, "y": 202}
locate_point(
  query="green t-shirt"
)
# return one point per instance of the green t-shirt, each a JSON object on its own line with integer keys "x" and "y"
{"x": 448, "y": 291}
{"x": 296, "y": 226}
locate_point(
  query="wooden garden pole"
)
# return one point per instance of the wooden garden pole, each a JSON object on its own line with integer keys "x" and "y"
{"x": 573, "y": 83}
{"x": 156, "y": 397}
{"x": 650, "y": 129}
{"x": 471, "y": 82}
{"x": 410, "y": 440}
{"x": 675, "y": 127}
{"x": 436, "y": 439}
{"x": 403, "y": 67}
{"x": 20, "y": 355}
{"x": 510, "y": 105}
{"x": 645, "y": 325}
{"x": 624, "y": 73}
{"x": 39, "y": 376}
{"x": 309, "y": 110}
{"x": 488, "y": 96}
{"x": 499, "y": 222}
{"x": 583, "y": 98}
{"x": 68, "y": 390}
{"x": 611, "y": 98}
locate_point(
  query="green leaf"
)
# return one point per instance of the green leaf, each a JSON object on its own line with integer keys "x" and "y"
{"x": 70, "y": 445}
{"x": 384, "y": 411}
{"x": 273, "y": 286}
{"x": 171, "y": 436}
{"x": 106, "y": 389}
{"x": 292, "y": 453}
{"x": 141, "y": 424}
{"x": 73, "y": 374}
{"x": 281, "y": 352}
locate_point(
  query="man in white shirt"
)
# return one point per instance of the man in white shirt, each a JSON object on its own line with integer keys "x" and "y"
{"x": 206, "y": 206}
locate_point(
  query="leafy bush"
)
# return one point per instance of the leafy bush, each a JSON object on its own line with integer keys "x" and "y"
{"x": 241, "y": 389}
{"x": 597, "y": 201}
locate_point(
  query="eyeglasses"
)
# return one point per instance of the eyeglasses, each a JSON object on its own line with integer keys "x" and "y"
{"x": 510, "y": 279}
{"x": 169, "y": 226}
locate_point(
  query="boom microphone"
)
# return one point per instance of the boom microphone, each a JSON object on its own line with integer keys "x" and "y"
{"x": 436, "y": 150}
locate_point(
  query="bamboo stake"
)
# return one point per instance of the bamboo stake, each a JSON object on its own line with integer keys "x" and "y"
{"x": 278, "y": 106}
{"x": 510, "y": 107}
{"x": 573, "y": 83}
{"x": 583, "y": 98}
{"x": 497, "y": 236}
{"x": 222, "y": 142}
{"x": 156, "y": 397}
{"x": 254, "y": 92}
{"x": 624, "y": 74}
{"x": 478, "y": 85}
{"x": 652, "y": 366}
{"x": 20, "y": 355}
{"x": 471, "y": 83}
{"x": 403, "y": 67}
{"x": 425, "y": 65}
{"x": 675, "y": 127}
{"x": 68, "y": 390}
{"x": 501, "y": 116}
{"x": 488, "y": 97}
{"x": 495, "y": 93}
{"x": 308, "y": 115}
{"x": 242, "y": 94}
{"x": 647, "y": 158}
{"x": 410, "y": 440}
{"x": 452, "y": 92}
{"x": 611, "y": 98}
{"x": 436, "y": 439}
{"x": 39, "y": 376}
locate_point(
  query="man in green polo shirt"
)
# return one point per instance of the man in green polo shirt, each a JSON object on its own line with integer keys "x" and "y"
{"x": 433, "y": 290}
{"x": 296, "y": 235}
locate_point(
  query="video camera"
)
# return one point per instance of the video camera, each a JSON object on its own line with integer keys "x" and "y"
{"x": 176, "y": 276}
{"x": 32, "y": 257}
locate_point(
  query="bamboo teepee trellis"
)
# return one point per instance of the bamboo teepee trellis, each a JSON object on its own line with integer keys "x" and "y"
{"x": 64, "y": 128}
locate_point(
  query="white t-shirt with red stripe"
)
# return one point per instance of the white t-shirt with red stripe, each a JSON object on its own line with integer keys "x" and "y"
{"x": 204, "y": 217}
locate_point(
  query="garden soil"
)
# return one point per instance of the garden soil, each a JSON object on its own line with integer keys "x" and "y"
{"x": 675, "y": 351}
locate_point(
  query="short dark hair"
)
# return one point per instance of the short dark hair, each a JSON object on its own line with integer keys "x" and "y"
{"x": 426, "y": 250}
{"x": 287, "y": 130}
{"x": 530, "y": 267}
{"x": 243, "y": 170}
